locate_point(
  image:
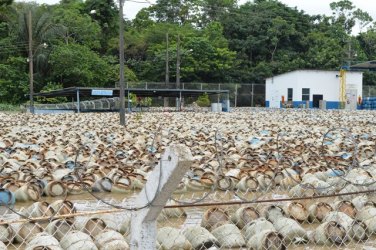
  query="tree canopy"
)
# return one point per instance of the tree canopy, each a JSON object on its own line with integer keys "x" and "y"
{"x": 76, "y": 42}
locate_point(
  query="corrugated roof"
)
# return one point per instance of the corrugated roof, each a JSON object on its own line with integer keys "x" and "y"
{"x": 370, "y": 65}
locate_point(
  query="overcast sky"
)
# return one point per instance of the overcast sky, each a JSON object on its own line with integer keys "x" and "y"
{"x": 309, "y": 6}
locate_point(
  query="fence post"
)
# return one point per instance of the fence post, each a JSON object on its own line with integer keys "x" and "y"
{"x": 236, "y": 95}
{"x": 161, "y": 183}
{"x": 78, "y": 100}
{"x": 252, "y": 95}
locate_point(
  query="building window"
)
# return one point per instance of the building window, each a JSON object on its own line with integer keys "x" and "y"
{"x": 305, "y": 94}
{"x": 289, "y": 94}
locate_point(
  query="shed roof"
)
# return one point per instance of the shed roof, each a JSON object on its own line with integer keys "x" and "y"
{"x": 370, "y": 65}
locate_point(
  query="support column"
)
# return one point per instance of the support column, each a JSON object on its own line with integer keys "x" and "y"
{"x": 78, "y": 101}
{"x": 129, "y": 107}
{"x": 161, "y": 183}
{"x": 219, "y": 93}
{"x": 252, "y": 95}
{"x": 228, "y": 102}
{"x": 180, "y": 101}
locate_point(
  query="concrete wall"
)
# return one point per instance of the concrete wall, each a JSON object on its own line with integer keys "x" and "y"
{"x": 326, "y": 83}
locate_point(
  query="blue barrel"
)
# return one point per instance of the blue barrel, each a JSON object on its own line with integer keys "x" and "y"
{"x": 6, "y": 197}
{"x": 226, "y": 105}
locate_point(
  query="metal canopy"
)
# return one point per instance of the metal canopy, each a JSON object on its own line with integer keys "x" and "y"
{"x": 370, "y": 65}
{"x": 114, "y": 92}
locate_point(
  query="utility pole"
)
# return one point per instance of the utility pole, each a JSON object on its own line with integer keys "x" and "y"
{"x": 121, "y": 55}
{"x": 167, "y": 69}
{"x": 178, "y": 63}
{"x": 178, "y": 71}
{"x": 349, "y": 55}
{"x": 31, "y": 70}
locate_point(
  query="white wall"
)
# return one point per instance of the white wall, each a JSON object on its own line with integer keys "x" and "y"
{"x": 277, "y": 86}
{"x": 319, "y": 82}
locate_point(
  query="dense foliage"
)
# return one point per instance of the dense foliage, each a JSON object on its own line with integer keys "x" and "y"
{"x": 75, "y": 42}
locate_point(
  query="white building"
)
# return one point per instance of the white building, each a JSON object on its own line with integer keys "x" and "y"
{"x": 298, "y": 87}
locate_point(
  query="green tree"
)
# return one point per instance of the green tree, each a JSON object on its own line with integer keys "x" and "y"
{"x": 346, "y": 15}
{"x": 176, "y": 11}
{"x": 76, "y": 65}
{"x": 5, "y": 2}
{"x": 367, "y": 41}
{"x": 343, "y": 14}
{"x": 105, "y": 12}
{"x": 363, "y": 17}
{"x": 78, "y": 28}
{"x": 269, "y": 38}
{"x": 214, "y": 10}
{"x": 143, "y": 20}
{"x": 44, "y": 33}
{"x": 325, "y": 52}
{"x": 278, "y": 30}
{"x": 204, "y": 62}
{"x": 13, "y": 80}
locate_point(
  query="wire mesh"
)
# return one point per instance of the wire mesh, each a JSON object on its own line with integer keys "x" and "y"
{"x": 265, "y": 179}
{"x": 240, "y": 95}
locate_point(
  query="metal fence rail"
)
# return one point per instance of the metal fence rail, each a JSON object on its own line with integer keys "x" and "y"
{"x": 241, "y": 94}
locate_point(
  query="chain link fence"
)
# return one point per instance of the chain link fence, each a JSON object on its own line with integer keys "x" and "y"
{"x": 241, "y": 95}
{"x": 266, "y": 179}
{"x": 369, "y": 91}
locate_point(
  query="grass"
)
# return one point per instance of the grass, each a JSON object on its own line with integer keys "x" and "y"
{"x": 5, "y": 107}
